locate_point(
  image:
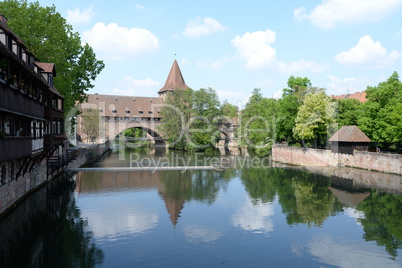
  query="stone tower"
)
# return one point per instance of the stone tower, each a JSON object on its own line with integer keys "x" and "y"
{"x": 174, "y": 81}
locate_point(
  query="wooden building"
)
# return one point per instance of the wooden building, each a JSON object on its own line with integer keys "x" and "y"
{"x": 347, "y": 139}
{"x": 31, "y": 109}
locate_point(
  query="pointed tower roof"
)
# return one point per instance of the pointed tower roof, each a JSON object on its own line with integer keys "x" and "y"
{"x": 174, "y": 80}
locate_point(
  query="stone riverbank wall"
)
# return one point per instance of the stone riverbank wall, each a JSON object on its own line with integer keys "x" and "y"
{"x": 383, "y": 162}
{"x": 17, "y": 189}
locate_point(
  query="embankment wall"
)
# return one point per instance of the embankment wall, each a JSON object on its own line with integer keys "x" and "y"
{"x": 383, "y": 162}
{"x": 17, "y": 189}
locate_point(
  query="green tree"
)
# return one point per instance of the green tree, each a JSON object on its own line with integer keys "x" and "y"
{"x": 289, "y": 104}
{"x": 297, "y": 86}
{"x": 90, "y": 124}
{"x": 203, "y": 130}
{"x": 288, "y": 109}
{"x": 49, "y": 37}
{"x": 258, "y": 121}
{"x": 134, "y": 136}
{"x": 349, "y": 112}
{"x": 315, "y": 118}
{"x": 176, "y": 114}
{"x": 382, "y": 117}
{"x": 228, "y": 109}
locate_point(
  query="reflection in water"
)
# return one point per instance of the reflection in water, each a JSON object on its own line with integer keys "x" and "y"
{"x": 245, "y": 217}
{"x": 196, "y": 234}
{"x": 255, "y": 217}
{"x": 382, "y": 221}
{"x": 43, "y": 226}
{"x": 304, "y": 197}
{"x": 347, "y": 254}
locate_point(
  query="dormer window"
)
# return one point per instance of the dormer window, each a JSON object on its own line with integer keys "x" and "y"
{"x": 150, "y": 112}
{"x": 140, "y": 111}
{"x": 10, "y": 43}
{"x": 127, "y": 111}
{"x": 50, "y": 80}
{"x": 114, "y": 111}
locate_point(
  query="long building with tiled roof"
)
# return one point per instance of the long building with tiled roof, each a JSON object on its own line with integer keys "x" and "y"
{"x": 118, "y": 112}
{"x": 360, "y": 96}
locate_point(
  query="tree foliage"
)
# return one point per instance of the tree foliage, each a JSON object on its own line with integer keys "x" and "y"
{"x": 349, "y": 112}
{"x": 315, "y": 117}
{"x": 48, "y": 36}
{"x": 91, "y": 124}
{"x": 202, "y": 129}
{"x": 382, "y": 117}
{"x": 176, "y": 114}
{"x": 258, "y": 120}
{"x": 228, "y": 109}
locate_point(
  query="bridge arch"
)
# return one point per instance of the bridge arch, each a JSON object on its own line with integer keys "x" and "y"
{"x": 155, "y": 136}
{"x": 114, "y": 128}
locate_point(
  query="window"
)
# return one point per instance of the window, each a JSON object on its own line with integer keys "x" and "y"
{"x": 114, "y": 111}
{"x": 3, "y": 175}
{"x": 12, "y": 171}
{"x": 10, "y": 43}
{"x": 127, "y": 111}
{"x": 150, "y": 112}
{"x": 140, "y": 112}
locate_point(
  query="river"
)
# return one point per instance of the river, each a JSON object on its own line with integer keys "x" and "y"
{"x": 247, "y": 215}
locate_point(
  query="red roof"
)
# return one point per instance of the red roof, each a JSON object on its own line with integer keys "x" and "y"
{"x": 360, "y": 96}
{"x": 174, "y": 80}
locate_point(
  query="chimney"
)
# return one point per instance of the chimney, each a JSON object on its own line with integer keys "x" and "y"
{"x": 3, "y": 20}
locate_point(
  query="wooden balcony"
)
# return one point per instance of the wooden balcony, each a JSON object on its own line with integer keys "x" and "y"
{"x": 51, "y": 112}
{"x": 37, "y": 145}
{"x": 11, "y": 99}
{"x": 12, "y": 148}
{"x": 54, "y": 139}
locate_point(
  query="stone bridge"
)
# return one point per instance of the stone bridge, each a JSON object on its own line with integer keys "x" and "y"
{"x": 118, "y": 113}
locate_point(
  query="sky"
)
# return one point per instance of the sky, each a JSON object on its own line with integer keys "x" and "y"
{"x": 235, "y": 46}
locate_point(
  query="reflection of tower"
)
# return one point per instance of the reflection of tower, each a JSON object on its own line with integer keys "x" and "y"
{"x": 173, "y": 207}
{"x": 143, "y": 180}
{"x": 174, "y": 81}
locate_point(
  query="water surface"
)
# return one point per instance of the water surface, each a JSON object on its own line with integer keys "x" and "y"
{"x": 240, "y": 217}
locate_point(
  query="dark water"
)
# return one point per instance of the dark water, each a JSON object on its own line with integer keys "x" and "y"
{"x": 249, "y": 215}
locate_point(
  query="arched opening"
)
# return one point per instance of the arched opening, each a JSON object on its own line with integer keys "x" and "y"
{"x": 140, "y": 137}
{"x": 224, "y": 142}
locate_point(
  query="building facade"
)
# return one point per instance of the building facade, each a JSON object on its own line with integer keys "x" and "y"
{"x": 31, "y": 116}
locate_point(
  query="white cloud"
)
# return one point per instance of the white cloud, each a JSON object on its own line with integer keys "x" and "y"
{"x": 255, "y": 48}
{"x": 254, "y": 218}
{"x": 348, "y": 254}
{"x": 214, "y": 65}
{"x": 202, "y": 26}
{"x": 77, "y": 16}
{"x": 368, "y": 54}
{"x": 230, "y": 95}
{"x": 301, "y": 66}
{"x": 278, "y": 94}
{"x": 115, "y": 42}
{"x": 184, "y": 62}
{"x": 140, "y": 7}
{"x": 331, "y": 12}
{"x": 196, "y": 234}
{"x": 130, "y": 86}
{"x": 113, "y": 223}
{"x": 355, "y": 214}
{"x": 337, "y": 86}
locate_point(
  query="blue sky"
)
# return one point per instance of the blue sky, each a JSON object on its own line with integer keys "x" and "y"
{"x": 236, "y": 46}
